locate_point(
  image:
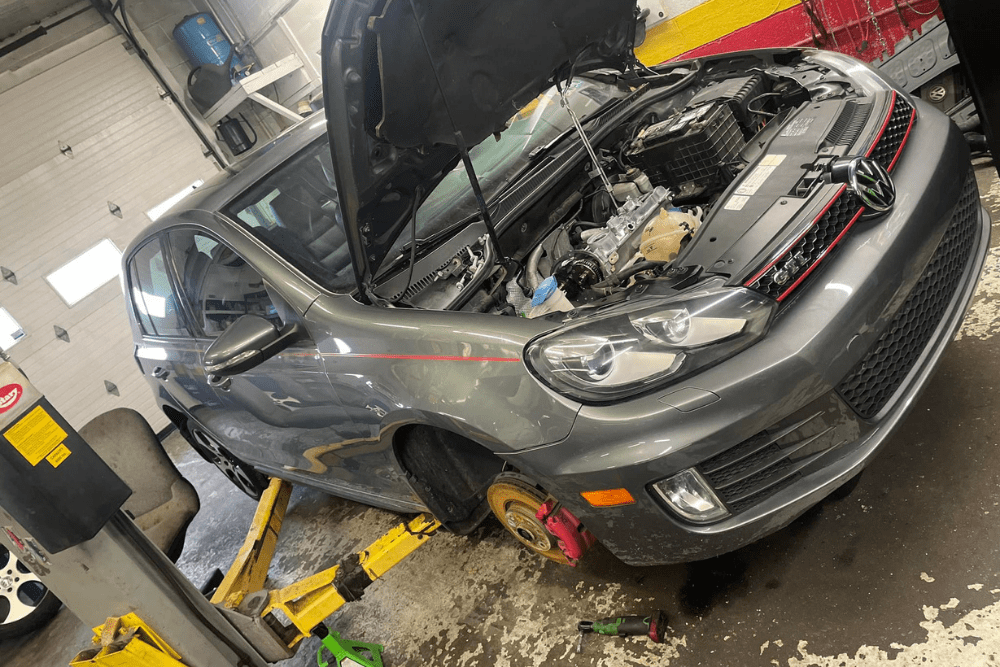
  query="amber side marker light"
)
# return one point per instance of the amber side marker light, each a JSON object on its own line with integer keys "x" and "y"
{"x": 608, "y": 497}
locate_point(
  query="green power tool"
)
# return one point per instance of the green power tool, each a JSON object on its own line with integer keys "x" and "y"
{"x": 653, "y": 626}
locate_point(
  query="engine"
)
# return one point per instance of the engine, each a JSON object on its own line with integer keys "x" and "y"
{"x": 581, "y": 261}
{"x": 646, "y": 199}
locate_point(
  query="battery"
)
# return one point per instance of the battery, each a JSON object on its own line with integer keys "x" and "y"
{"x": 691, "y": 148}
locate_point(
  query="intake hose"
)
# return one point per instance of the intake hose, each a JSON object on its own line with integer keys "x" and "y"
{"x": 531, "y": 271}
{"x": 625, "y": 274}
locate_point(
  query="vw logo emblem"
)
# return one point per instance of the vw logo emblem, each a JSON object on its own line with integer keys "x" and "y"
{"x": 872, "y": 183}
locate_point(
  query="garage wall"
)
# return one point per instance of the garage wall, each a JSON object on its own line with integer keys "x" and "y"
{"x": 156, "y": 20}
{"x": 277, "y": 28}
{"x": 128, "y": 147}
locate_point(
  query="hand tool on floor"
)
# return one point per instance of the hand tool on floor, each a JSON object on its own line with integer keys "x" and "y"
{"x": 653, "y": 626}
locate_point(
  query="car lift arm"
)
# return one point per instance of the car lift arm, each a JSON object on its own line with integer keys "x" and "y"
{"x": 243, "y": 599}
{"x": 308, "y": 601}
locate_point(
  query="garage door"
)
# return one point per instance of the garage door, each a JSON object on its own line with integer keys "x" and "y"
{"x": 89, "y": 147}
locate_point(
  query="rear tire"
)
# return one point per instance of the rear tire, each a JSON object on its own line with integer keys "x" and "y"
{"x": 26, "y": 604}
{"x": 242, "y": 475}
{"x": 515, "y": 501}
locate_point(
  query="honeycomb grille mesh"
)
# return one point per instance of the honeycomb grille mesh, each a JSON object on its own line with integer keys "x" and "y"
{"x": 779, "y": 280}
{"x": 895, "y": 132}
{"x": 875, "y": 380}
{"x": 810, "y": 248}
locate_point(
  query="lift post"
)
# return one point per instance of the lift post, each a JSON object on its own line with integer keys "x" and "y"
{"x": 86, "y": 549}
{"x": 60, "y": 513}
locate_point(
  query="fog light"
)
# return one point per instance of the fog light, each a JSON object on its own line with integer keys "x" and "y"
{"x": 691, "y": 497}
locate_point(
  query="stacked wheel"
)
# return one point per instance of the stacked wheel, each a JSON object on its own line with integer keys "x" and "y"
{"x": 26, "y": 604}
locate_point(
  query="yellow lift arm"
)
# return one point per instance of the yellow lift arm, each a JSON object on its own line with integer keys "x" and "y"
{"x": 128, "y": 642}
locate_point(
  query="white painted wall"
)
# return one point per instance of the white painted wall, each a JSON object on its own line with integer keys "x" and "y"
{"x": 260, "y": 24}
{"x": 661, "y": 10}
{"x": 129, "y": 147}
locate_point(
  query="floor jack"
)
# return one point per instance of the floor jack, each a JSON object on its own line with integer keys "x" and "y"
{"x": 60, "y": 512}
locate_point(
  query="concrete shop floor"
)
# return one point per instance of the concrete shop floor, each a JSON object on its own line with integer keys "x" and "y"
{"x": 904, "y": 571}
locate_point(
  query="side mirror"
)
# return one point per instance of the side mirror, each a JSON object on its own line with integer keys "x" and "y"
{"x": 248, "y": 342}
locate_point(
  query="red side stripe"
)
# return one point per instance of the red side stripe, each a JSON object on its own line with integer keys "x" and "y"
{"x": 431, "y": 357}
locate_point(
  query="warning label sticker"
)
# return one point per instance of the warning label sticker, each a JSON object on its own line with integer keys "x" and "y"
{"x": 760, "y": 174}
{"x": 736, "y": 203}
{"x": 798, "y": 127}
{"x": 36, "y": 435}
{"x": 58, "y": 455}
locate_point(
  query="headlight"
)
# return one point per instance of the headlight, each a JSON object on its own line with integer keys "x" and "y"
{"x": 644, "y": 344}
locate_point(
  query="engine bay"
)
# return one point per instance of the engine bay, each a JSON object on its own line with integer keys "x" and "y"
{"x": 658, "y": 180}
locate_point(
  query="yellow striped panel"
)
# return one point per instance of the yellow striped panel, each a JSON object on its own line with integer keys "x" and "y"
{"x": 700, "y": 25}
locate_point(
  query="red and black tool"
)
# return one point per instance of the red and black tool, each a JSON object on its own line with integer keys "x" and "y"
{"x": 653, "y": 626}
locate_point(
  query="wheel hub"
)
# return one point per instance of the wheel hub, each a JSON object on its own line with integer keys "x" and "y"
{"x": 526, "y": 527}
{"x": 6, "y": 583}
{"x": 515, "y": 503}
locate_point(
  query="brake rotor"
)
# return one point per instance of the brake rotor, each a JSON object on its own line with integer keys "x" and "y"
{"x": 515, "y": 503}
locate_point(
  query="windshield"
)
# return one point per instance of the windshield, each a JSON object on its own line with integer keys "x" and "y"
{"x": 296, "y": 211}
{"x": 498, "y": 162}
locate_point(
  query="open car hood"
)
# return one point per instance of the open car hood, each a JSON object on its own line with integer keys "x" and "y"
{"x": 394, "y": 104}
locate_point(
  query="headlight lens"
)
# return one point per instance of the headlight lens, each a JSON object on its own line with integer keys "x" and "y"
{"x": 689, "y": 495}
{"x": 640, "y": 345}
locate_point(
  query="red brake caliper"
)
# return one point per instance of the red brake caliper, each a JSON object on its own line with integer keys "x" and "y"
{"x": 574, "y": 540}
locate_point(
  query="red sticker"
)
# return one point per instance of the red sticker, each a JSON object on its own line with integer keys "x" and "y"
{"x": 9, "y": 396}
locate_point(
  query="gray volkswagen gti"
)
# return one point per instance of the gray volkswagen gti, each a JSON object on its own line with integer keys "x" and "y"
{"x": 513, "y": 269}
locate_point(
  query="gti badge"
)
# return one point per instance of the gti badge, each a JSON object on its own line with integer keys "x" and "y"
{"x": 868, "y": 180}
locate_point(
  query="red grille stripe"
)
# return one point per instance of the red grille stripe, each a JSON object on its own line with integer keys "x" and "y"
{"x": 906, "y": 137}
{"x": 888, "y": 118}
{"x": 871, "y": 149}
{"x": 820, "y": 258}
{"x": 794, "y": 243}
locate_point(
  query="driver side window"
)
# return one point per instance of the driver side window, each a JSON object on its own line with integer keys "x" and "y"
{"x": 219, "y": 285}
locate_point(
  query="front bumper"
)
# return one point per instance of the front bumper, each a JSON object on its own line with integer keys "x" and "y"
{"x": 787, "y": 393}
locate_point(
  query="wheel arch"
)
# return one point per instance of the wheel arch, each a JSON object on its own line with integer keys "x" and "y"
{"x": 448, "y": 471}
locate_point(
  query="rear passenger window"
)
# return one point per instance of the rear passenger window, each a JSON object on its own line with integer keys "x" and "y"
{"x": 156, "y": 305}
{"x": 219, "y": 285}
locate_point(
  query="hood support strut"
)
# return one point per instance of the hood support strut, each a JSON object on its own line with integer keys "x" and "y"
{"x": 586, "y": 140}
{"x": 463, "y": 149}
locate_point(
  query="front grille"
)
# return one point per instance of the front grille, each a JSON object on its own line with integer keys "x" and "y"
{"x": 779, "y": 278}
{"x": 810, "y": 249}
{"x": 895, "y": 132}
{"x": 875, "y": 380}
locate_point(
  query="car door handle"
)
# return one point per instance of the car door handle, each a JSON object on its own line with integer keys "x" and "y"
{"x": 160, "y": 373}
{"x": 219, "y": 382}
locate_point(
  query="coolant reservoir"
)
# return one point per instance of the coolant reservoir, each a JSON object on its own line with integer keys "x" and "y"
{"x": 549, "y": 298}
{"x": 662, "y": 237}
